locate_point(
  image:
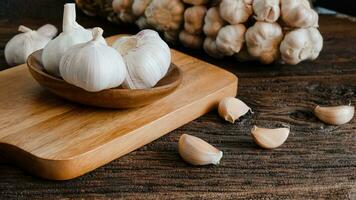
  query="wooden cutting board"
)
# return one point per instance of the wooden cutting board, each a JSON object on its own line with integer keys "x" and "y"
{"x": 57, "y": 139}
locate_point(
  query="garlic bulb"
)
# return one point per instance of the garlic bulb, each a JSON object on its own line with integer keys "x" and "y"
{"x": 139, "y": 6}
{"x": 266, "y": 10}
{"x": 194, "y": 19}
{"x": 165, "y": 15}
{"x": 28, "y": 41}
{"x": 231, "y": 109}
{"x": 190, "y": 40}
{"x": 269, "y": 138}
{"x": 93, "y": 65}
{"x": 211, "y": 48}
{"x": 230, "y": 39}
{"x": 72, "y": 34}
{"x": 263, "y": 40}
{"x": 147, "y": 58}
{"x": 212, "y": 22}
{"x": 198, "y": 152}
{"x": 236, "y": 11}
{"x": 298, "y": 14}
{"x": 196, "y": 2}
{"x": 301, "y": 44}
{"x": 142, "y": 23}
{"x": 335, "y": 115}
{"x": 124, "y": 10}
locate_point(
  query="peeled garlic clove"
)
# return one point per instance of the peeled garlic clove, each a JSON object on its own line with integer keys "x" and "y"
{"x": 269, "y": 138}
{"x": 198, "y": 152}
{"x": 231, "y": 109}
{"x": 335, "y": 115}
{"x": 147, "y": 58}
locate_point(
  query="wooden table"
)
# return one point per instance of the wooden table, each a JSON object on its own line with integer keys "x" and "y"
{"x": 317, "y": 161}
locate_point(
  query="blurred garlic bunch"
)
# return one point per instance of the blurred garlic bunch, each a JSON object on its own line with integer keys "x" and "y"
{"x": 93, "y": 66}
{"x": 28, "y": 41}
{"x": 147, "y": 58}
{"x": 217, "y": 26}
{"x": 72, "y": 34}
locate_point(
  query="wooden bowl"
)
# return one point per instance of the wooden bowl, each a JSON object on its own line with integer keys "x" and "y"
{"x": 110, "y": 98}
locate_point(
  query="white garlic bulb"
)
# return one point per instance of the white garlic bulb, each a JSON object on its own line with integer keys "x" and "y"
{"x": 301, "y": 44}
{"x": 28, "y": 41}
{"x": 72, "y": 34}
{"x": 147, "y": 58}
{"x": 93, "y": 66}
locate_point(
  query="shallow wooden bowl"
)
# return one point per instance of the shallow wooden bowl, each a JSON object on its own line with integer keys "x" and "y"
{"x": 110, "y": 98}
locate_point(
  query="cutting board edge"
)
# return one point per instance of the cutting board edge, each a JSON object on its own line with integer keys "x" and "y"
{"x": 71, "y": 168}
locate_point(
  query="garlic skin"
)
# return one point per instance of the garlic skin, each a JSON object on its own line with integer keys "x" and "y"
{"x": 335, "y": 115}
{"x": 194, "y": 19}
{"x": 142, "y": 23}
{"x": 231, "y": 109}
{"x": 72, "y": 34}
{"x": 301, "y": 44}
{"x": 236, "y": 11}
{"x": 93, "y": 66}
{"x": 147, "y": 58}
{"x": 190, "y": 40}
{"x": 139, "y": 6}
{"x": 266, "y": 10}
{"x": 124, "y": 10}
{"x": 196, "y": 2}
{"x": 212, "y": 22}
{"x": 165, "y": 15}
{"x": 211, "y": 48}
{"x": 230, "y": 39}
{"x": 198, "y": 152}
{"x": 121, "y": 5}
{"x": 298, "y": 14}
{"x": 269, "y": 138}
{"x": 28, "y": 41}
{"x": 48, "y": 30}
{"x": 263, "y": 40}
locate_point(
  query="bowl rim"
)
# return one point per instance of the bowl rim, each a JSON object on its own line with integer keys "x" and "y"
{"x": 32, "y": 57}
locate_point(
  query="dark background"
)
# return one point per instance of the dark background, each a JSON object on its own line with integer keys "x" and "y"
{"x": 50, "y": 9}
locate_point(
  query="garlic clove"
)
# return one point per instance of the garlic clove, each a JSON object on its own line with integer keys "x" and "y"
{"x": 269, "y": 138}
{"x": 198, "y": 152}
{"x": 231, "y": 109}
{"x": 335, "y": 115}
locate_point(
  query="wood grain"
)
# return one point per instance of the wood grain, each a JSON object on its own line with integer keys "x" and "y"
{"x": 59, "y": 140}
{"x": 318, "y": 161}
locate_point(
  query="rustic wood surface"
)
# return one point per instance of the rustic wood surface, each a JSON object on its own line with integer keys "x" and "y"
{"x": 60, "y": 140}
{"x": 318, "y": 161}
